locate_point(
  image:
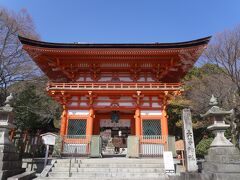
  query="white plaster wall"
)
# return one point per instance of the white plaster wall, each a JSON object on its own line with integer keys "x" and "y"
{"x": 83, "y": 104}
{"x": 102, "y": 79}
{"x": 74, "y": 98}
{"x": 125, "y": 104}
{"x": 73, "y": 104}
{"x": 145, "y": 98}
{"x": 81, "y": 79}
{"x": 141, "y": 79}
{"x": 89, "y": 79}
{"x": 146, "y": 104}
{"x": 155, "y": 105}
{"x": 126, "y": 79}
{"x": 149, "y": 79}
{"x": 103, "y": 98}
{"x": 128, "y": 98}
{"x": 151, "y": 112}
{"x": 83, "y": 98}
{"x": 103, "y": 104}
{"x": 78, "y": 112}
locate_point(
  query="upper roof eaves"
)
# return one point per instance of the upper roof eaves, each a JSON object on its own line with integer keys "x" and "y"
{"x": 35, "y": 43}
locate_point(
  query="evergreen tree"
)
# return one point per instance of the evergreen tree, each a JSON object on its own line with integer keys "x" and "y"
{"x": 34, "y": 109}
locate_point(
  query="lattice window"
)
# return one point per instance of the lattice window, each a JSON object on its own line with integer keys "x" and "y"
{"x": 152, "y": 127}
{"x": 77, "y": 127}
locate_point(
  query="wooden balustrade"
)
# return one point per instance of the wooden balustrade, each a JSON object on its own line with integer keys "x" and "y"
{"x": 114, "y": 86}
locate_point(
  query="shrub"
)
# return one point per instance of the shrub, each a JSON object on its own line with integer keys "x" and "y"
{"x": 203, "y": 146}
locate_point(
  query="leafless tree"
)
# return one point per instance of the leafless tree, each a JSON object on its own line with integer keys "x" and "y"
{"x": 15, "y": 64}
{"x": 200, "y": 89}
{"x": 224, "y": 51}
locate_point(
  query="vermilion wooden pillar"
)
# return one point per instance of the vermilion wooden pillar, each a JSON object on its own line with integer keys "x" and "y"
{"x": 164, "y": 123}
{"x": 133, "y": 126}
{"x": 89, "y": 128}
{"x": 137, "y": 122}
{"x": 63, "y": 121}
{"x": 96, "y": 126}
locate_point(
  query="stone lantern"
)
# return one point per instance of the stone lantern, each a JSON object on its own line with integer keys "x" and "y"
{"x": 10, "y": 163}
{"x": 217, "y": 115}
{"x": 223, "y": 158}
{"x": 6, "y": 121}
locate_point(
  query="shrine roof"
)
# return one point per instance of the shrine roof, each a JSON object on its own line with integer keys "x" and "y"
{"x": 64, "y": 62}
{"x": 157, "y": 45}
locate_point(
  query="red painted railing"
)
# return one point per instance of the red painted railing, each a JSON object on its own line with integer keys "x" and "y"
{"x": 114, "y": 86}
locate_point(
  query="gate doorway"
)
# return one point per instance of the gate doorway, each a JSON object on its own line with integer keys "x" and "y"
{"x": 114, "y": 141}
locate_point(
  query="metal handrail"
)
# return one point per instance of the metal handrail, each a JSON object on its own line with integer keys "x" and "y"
{"x": 70, "y": 162}
{"x": 47, "y": 169}
{"x": 70, "y": 166}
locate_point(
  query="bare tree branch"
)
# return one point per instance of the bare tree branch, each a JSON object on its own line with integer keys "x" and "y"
{"x": 15, "y": 64}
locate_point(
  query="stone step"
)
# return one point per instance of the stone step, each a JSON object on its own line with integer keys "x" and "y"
{"x": 110, "y": 170}
{"x": 110, "y": 165}
{"x": 163, "y": 177}
{"x": 105, "y": 175}
{"x": 115, "y": 160}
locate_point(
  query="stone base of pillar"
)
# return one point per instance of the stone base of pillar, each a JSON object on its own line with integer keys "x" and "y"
{"x": 221, "y": 163}
{"x": 223, "y": 155}
{"x": 10, "y": 163}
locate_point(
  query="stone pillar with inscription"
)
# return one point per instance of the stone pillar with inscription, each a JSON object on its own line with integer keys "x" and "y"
{"x": 10, "y": 163}
{"x": 190, "y": 155}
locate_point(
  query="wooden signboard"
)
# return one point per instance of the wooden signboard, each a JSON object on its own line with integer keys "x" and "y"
{"x": 48, "y": 139}
{"x": 168, "y": 162}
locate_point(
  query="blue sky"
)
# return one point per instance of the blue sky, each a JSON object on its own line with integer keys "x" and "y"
{"x": 128, "y": 21}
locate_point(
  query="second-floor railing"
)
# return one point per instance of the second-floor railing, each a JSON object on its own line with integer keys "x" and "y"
{"x": 114, "y": 86}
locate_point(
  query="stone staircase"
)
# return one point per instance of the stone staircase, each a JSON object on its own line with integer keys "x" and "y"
{"x": 108, "y": 169}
